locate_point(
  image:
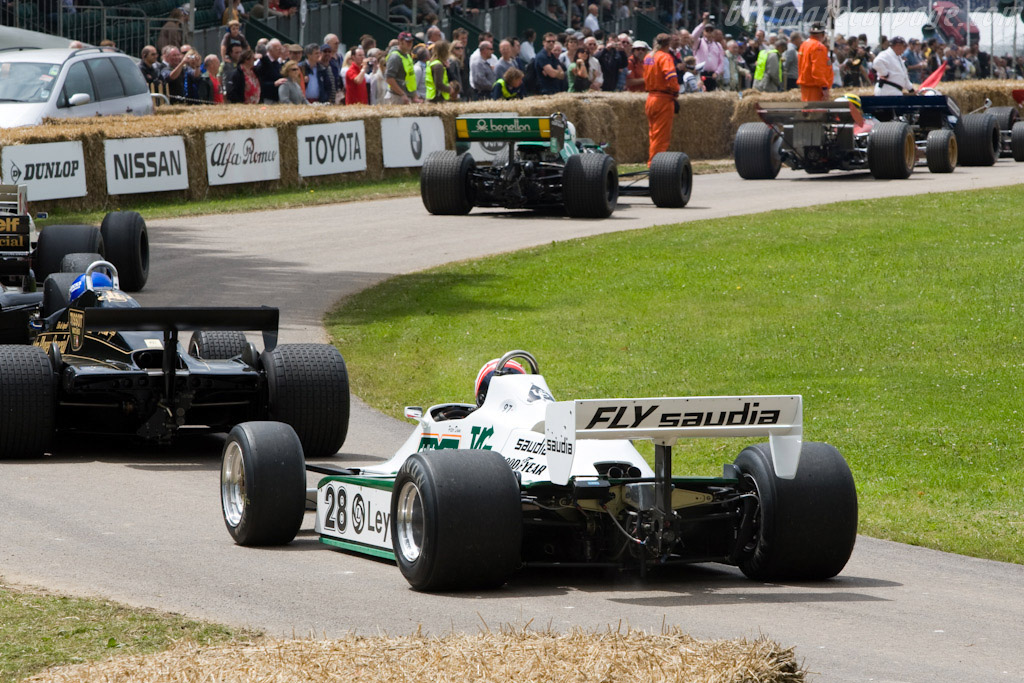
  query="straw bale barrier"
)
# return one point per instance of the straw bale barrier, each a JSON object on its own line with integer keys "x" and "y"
{"x": 512, "y": 655}
{"x": 704, "y": 129}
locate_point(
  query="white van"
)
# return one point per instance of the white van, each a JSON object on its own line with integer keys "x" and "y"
{"x": 92, "y": 81}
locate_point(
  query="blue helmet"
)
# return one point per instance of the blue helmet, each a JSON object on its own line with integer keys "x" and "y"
{"x": 78, "y": 287}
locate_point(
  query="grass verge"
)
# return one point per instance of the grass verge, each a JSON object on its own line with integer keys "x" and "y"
{"x": 40, "y": 630}
{"x": 898, "y": 320}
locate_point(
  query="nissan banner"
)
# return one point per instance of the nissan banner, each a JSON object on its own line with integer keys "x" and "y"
{"x": 146, "y": 165}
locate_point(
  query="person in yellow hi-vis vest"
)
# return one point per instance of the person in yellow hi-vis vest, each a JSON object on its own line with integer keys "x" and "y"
{"x": 438, "y": 88}
{"x": 400, "y": 75}
{"x": 507, "y": 87}
{"x": 768, "y": 75}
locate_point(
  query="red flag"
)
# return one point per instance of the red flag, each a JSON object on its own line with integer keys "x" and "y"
{"x": 934, "y": 78}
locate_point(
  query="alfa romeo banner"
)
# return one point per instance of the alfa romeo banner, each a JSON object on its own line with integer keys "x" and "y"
{"x": 242, "y": 156}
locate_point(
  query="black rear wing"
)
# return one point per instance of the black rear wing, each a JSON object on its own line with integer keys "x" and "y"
{"x": 174, "y": 319}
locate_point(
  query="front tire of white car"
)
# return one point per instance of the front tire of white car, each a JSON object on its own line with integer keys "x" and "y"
{"x": 456, "y": 520}
{"x": 806, "y": 526}
{"x": 263, "y": 483}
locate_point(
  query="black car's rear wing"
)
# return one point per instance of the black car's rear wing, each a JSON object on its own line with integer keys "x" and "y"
{"x": 174, "y": 319}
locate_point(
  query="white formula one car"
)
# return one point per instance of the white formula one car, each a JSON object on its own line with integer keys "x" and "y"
{"x": 519, "y": 479}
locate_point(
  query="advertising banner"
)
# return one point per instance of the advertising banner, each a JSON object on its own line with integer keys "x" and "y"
{"x": 53, "y": 170}
{"x": 146, "y": 165}
{"x": 408, "y": 141}
{"x": 329, "y": 148}
{"x": 242, "y": 156}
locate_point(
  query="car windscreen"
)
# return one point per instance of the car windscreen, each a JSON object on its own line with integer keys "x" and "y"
{"x": 27, "y": 81}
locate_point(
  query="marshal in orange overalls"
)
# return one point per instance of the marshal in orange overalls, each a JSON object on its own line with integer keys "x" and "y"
{"x": 662, "y": 85}
{"x": 815, "y": 70}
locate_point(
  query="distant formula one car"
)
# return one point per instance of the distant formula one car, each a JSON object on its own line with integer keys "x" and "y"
{"x": 1011, "y": 128}
{"x": 885, "y": 135}
{"x": 545, "y": 167}
{"x": 478, "y": 491}
{"x": 91, "y": 360}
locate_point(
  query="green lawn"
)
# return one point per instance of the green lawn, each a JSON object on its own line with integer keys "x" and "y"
{"x": 898, "y": 320}
{"x": 39, "y": 630}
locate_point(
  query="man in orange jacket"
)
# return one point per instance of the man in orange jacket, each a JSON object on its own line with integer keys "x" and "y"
{"x": 662, "y": 85}
{"x": 815, "y": 67}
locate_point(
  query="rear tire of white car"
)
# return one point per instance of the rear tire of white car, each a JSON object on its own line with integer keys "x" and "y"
{"x": 1017, "y": 141}
{"x": 126, "y": 241}
{"x": 263, "y": 483}
{"x": 27, "y": 401}
{"x": 756, "y": 152}
{"x": 308, "y": 389}
{"x": 892, "y": 151}
{"x": 979, "y": 139}
{"x": 444, "y": 183}
{"x": 57, "y": 241}
{"x": 590, "y": 186}
{"x": 456, "y": 520}
{"x": 671, "y": 180}
{"x": 806, "y": 526}
{"x": 217, "y": 344}
{"x": 78, "y": 263}
{"x": 941, "y": 150}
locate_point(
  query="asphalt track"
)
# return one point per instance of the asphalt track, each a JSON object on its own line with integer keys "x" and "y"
{"x": 143, "y": 526}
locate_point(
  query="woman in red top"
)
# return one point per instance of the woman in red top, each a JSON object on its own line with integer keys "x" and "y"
{"x": 355, "y": 77}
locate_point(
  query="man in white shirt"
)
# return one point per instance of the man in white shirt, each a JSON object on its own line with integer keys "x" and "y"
{"x": 892, "y": 72}
{"x": 591, "y": 21}
{"x": 593, "y": 66}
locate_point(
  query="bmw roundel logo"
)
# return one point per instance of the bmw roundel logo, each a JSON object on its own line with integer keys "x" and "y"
{"x": 416, "y": 140}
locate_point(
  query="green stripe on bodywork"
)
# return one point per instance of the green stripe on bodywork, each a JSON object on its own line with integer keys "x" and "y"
{"x": 384, "y": 484}
{"x": 678, "y": 481}
{"x": 359, "y": 548}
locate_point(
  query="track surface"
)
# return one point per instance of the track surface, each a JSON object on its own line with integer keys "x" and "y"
{"x": 144, "y": 526}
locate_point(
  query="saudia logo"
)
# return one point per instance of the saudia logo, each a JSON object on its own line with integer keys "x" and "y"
{"x": 611, "y": 417}
{"x": 558, "y": 446}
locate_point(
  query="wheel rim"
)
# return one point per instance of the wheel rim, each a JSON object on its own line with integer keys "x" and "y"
{"x": 953, "y": 151}
{"x": 909, "y": 150}
{"x": 409, "y": 522}
{"x": 232, "y": 485}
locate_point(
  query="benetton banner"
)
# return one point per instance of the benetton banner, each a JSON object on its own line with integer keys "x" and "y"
{"x": 242, "y": 156}
{"x": 328, "y": 148}
{"x": 408, "y": 141}
{"x": 146, "y": 165}
{"x": 52, "y": 170}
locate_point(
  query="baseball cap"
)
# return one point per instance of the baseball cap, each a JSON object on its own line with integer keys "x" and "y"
{"x": 325, "y": 48}
{"x": 641, "y": 43}
{"x": 817, "y": 27}
{"x": 405, "y": 35}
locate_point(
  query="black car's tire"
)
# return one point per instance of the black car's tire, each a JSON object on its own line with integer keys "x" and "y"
{"x": 57, "y": 241}
{"x": 892, "y": 151}
{"x": 308, "y": 389}
{"x": 1005, "y": 116}
{"x": 806, "y": 526}
{"x": 456, "y": 520}
{"x": 127, "y": 247}
{"x": 262, "y": 483}
{"x": 979, "y": 139}
{"x": 77, "y": 263}
{"x": 941, "y": 150}
{"x": 671, "y": 179}
{"x": 57, "y": 292}
{"x": 445, "y": 184}
{"x": 590, "y": 186}
{"x": 28, "y": 401}
{"x": 1017, "y": 141}
{"x": 217, "y": 344}
{"x": 756, "y": 152}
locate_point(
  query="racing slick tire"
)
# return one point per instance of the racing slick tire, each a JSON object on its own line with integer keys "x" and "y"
{"x": 892, "y": 151}
{"x": 941, "y": 150}
{"x": 308, "y": 389}
{"x": 127, "y": 247}
{"x": 57, "y": 292}
{"x": 445, "y": 184}
{"x": 1005, "y": 116}
{"x": 217, "y": 344}
{"x": 1017, "y": 141}
{"x": 671, "y": 180}
{"x": 756, "y": 152}
{"x": 263, "y": 483}
{"x": 456, "y": 520}
{"x": 28, "y": 401}
{"x": 806, "y": 526}
{"x": 590, "y": 185}
{"x": 57, "y": 241}
{"x": 979, "y": 139}
{"x": 78, "y": 263}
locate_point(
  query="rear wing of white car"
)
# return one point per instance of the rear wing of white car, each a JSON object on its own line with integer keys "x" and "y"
{"x": 665, "y": 420}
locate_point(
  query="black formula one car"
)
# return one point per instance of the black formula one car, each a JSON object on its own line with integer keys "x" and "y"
{"x": 91, "y": 360}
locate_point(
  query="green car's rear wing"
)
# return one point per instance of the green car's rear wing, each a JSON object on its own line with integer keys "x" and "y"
{"x": 514, "y": 128}
{"x": 665, "y": 420}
